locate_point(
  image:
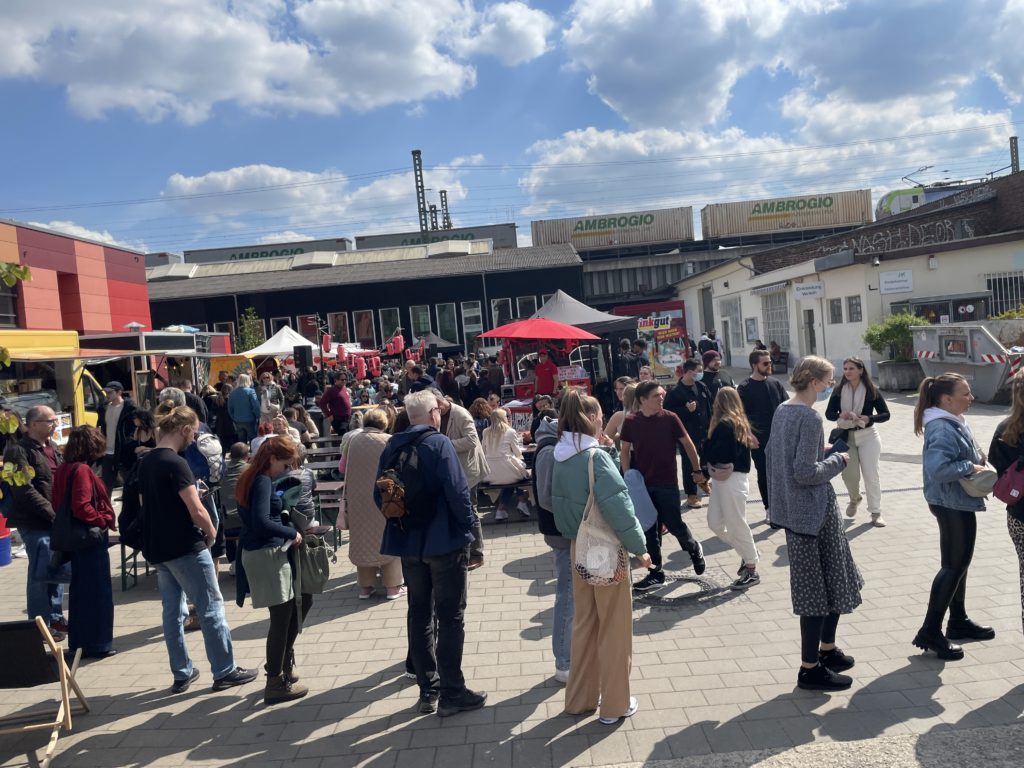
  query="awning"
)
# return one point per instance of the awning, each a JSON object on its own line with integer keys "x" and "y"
{"x": 773, "y": 288}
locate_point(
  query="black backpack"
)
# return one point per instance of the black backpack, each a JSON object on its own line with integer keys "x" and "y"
{"x": 403, "y": 487}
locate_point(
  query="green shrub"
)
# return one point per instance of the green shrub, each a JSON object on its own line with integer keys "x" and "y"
{"x": 893, "y": 336}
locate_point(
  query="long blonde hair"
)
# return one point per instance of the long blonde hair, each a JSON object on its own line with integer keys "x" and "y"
{"x": 499, "y": 426}
{"x": 1015, "y": 424}
{"x": 729, "y": 407}
{"x": 630, "y": 402}
{"x": 573, "y": 417}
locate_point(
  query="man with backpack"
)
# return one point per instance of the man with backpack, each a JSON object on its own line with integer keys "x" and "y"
{"x": 429, "y": 526}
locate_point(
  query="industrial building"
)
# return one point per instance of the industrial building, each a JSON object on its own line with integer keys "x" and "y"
{"x": 456, "y": 289}
{"x": 76, "y": 285}
{"x": 956, "y": 259}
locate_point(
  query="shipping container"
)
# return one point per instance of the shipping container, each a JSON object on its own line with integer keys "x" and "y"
{"x": 264, "y": 251}
{"x": 752, "y": 217}
{"x": 503, "y": 235}
{"x": 668, "y": 225}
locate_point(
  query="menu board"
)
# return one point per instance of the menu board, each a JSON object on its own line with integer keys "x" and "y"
{"x": 63, "y": 430}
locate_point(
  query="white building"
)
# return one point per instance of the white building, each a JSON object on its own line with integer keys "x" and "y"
{"x": 958, "y": 259}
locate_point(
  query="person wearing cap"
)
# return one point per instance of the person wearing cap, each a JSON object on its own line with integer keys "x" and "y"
{"x": 714, "y": 377}
{"x": 117, "y": 422}
{"x": 543, "y": 405}
{"x": 546, "y": 373}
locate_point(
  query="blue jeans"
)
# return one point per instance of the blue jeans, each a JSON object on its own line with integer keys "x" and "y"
{"x": 561, "y": 629}
{"x": 43, "y": 599}
{"x": 194, "y": 575}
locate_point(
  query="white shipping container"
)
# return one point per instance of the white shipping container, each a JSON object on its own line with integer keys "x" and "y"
{"x": 751, "y": 217}
{"x": 668, "y": 225}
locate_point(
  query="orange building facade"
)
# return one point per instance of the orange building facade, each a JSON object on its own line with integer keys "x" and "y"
{"x": 76, "y": 284}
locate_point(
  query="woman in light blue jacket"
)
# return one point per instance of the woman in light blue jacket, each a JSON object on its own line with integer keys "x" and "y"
{"x": 602, "y": 629}
{"x": 950, "y": 453}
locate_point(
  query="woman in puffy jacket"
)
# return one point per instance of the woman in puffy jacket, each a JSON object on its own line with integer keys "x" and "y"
{"x": 602, "y": 629}
{"x": 950, "y": 453}
{"x": 503, "y": 448}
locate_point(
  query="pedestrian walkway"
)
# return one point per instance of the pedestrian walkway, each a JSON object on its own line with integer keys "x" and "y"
{"x": 714, "y": 670}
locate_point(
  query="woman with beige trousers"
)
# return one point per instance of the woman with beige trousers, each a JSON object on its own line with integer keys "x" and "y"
{"x": 365, "y": 522}
{"x": 856, "y": 406}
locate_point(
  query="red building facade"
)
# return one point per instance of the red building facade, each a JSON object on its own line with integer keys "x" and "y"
{"x": 76, "y": 284}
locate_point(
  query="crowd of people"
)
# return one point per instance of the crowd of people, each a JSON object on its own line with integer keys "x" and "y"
{"x": 206, "y": 470}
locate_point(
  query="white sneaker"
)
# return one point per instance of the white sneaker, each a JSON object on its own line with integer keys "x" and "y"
{"x": 634, "y": 705}
{"x": 877, "y": 521}
{"x": 231, "y": 569}
{"x": 562, "y": 675}
{"x": 501, "y": 514}
{"x": 524, "y": 509}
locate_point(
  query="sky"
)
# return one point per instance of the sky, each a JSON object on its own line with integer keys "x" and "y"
{"x": 168, "y": 125}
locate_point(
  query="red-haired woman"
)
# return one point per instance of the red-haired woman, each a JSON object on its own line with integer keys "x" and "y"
{"x": 266, "y": 541}
{"x": 91, "y": 600}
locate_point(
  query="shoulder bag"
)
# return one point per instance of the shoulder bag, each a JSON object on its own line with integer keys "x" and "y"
{"x": 313, "y": 558}
{"x": 980, "y": 484}
{"x": 600, "y": 560}
{"x": 69, "y": 534}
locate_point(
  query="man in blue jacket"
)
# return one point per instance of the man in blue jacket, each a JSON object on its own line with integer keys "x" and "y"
{"x": 435, "y": 557}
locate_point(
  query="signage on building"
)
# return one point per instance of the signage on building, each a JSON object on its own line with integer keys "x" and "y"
{"x": 669, "y": 225}
{"x": 269, "y": 251}
{"x": 809, "y": 290}
{"x": 901, "y": 281}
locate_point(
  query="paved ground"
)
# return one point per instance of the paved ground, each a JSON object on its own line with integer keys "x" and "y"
{"x": 714, "y": 671}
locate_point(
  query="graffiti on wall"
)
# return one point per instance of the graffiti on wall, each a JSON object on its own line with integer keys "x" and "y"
{"x": 903, "y": 236}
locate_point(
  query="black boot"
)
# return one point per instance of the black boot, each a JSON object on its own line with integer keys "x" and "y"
{"x": 930, "y": 640}
{"x": 965, "y": 629}
{"x": 279, "y": 690}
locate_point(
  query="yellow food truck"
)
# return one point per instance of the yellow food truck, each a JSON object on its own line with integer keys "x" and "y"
{"x": 48, "y": 368}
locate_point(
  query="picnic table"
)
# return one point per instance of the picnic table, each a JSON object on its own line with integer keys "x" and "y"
{"x": 331, "y": 450}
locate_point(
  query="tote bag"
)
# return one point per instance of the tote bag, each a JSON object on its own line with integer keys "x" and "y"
{"x": 601, "y": 560}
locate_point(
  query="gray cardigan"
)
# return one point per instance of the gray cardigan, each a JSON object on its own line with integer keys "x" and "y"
{"x": 798, "y": 473}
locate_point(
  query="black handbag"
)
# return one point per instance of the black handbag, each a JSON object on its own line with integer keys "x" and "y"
{"x": 839, "y": 434}
{"x": 69, "y": 534}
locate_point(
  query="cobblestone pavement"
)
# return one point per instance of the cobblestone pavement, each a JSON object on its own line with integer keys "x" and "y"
{"x": 714, "y": 670}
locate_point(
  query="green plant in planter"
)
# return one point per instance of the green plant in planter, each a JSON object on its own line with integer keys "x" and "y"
{"x": 893, "y": 336}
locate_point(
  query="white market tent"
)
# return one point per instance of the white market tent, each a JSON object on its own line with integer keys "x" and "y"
{"x": 281, "y": 344}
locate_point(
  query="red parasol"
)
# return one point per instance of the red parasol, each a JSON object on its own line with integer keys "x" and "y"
{"x": 539, "y": 328}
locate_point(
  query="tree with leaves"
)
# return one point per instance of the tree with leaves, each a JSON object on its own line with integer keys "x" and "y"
{"x": 250, "y": 330}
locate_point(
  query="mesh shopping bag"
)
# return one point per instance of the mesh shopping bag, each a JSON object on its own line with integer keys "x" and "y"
{"x": 601, "y": 560}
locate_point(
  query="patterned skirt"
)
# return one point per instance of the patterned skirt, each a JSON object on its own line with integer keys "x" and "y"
{"x": 823, "y": 578}
{"x": 1016, "y": 529}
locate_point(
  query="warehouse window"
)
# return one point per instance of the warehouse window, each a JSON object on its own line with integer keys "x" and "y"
{"x": 419, "y": 315}
{"x": 472, "y": 321}
{"x": 228, "y": 328}
{"x": 526, "y": 305}
{"x": 775, "y": 318}
{"x": 501, "y": 312}
{"x": 447, "y": 322}
{"x": 277, "y": 323}
{"x": 853, "y": 310}
{"x": 366, "y": 334}
{"x": 337, "y": 326}
{"x": 390, "y": 322}
{"x": 835, "y": 311}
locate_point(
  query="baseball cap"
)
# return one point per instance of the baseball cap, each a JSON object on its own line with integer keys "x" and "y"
{"x": 115, "y": 385}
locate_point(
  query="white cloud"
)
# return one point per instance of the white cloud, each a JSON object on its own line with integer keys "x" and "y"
{"x": 288, "y": 236}
{"x": 512, "y": 32}
{"x": 180, "y": 58}
{"x": 265, "y": 203}
{"x": 1007, "y": 64}
{"x": 77, "y": 230}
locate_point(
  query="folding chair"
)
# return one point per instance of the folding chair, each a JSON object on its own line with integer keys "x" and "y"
{"x": 32, "y": 658}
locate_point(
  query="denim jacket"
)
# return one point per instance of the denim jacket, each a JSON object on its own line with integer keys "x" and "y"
{"x": 949, "y": 453}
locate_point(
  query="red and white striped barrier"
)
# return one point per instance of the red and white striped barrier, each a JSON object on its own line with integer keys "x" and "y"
{"x": 1015, "y": 364}
{"x": 991, "y": 358}
{"x": 925, "y": 355}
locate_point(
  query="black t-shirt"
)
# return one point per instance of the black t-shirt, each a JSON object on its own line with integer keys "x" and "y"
{"x": 167, "y": 527}
{"x": 759, "y": 405}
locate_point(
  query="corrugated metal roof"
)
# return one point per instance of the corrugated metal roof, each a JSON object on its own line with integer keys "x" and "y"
{"x": 258, "y": 276}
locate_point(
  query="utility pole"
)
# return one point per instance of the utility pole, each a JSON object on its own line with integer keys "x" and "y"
{"x": 433, "y": 217}
{"x": 1014, "y": 156}
{"x": 446, "y": 220}
{"x": 421, "y": 192}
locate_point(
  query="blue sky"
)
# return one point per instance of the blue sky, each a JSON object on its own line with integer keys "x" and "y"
{"x": 140, "y": 123}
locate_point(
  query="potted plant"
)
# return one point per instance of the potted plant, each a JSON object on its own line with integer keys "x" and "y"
{"x": 894, "y": 338}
